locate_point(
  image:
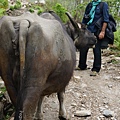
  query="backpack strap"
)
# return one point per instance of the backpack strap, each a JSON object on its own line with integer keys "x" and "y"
{"x": 111, "y": 18}
{"x": 101, "y": 6}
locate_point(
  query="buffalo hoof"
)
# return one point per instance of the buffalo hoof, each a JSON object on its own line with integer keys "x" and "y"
{"x": 64, "y": 118}
{"x": 38, "y": 118}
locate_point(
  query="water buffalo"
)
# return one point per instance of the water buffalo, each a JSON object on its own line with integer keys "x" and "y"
{"x": 37, "y": 58}
{"x": 77, "y": 31}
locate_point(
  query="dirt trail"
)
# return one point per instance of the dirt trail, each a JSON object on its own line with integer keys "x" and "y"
{"x": 95, "y": 94}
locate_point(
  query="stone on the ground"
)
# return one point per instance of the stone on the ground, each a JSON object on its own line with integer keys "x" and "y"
{"x": 108, "y": 113}
{"x": 82, "y": 113}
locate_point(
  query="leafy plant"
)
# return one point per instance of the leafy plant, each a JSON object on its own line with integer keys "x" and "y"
{"x": 31, "y": 10}
{"x": 12, "y": 8}
{"x": 2, "y": 12}
{"x": 60, "y": 10}
{"x": 4, "y": 4}
{"x": 78, "y": 12}
{"x": 36, "y": 7}
{"x": 39, "y": 11}
{"x": 117, "y": 38}
{"x": 2, "y": 89}
{"x": 3, "y": 7}
{"x": 17, "y": 5}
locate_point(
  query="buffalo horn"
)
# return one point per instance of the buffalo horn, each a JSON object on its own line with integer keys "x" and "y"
{"x": 75, "y": 25}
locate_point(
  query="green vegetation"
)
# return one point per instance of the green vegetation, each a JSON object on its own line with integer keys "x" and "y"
{"x": 2, "y": 91}
{"x": 7, "y": 106}
{"x": 39, "y": 11}
{"x": 36, "y": 7}
{"x": 31, "y": 10}
{"x": 2, "y": 12}
{"x": 3, "y": 7}
{"x": 4, "y": 4}
{"x": 60, "y": 10}
{"x": 117, "y": 38}
{"x": 16, "y": 6}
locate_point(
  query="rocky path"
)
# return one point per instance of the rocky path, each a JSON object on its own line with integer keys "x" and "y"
{"x": 90, "y": 98}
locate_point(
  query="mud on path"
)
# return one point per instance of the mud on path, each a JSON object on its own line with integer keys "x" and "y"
{"x": 94, "y": 94}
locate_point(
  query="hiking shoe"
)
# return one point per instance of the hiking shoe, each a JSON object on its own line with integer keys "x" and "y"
{"x": 93, "y": 73}
{"x": 77, "y": 68}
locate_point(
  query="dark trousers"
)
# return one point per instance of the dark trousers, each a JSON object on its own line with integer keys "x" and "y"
{"x": 97, "y": 57}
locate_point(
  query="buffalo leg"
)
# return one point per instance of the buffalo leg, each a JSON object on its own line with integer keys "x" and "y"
{"x": 7, "y": 60}
{"x": 39, "y": 114}
{"x": 62, "y": 110}
{"x": 11, "y": 90}
{"x": 27, "y": 101}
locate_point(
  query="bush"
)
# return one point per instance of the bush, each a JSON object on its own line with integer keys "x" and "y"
{"x": 60, "y": 10}
{"x": 2, "y": 12}
{"x": 4, "y": 4}
{"x": 117, "y": 38}
{"x": 3, "y": 7}
{"x": 17, "y": 5}
{"x": 12, "y": 8}
{"x": 31, "y": 10}
{"x": 39, "y": 11}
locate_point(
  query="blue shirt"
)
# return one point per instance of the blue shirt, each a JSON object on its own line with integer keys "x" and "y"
{"x": 98, "y": 14}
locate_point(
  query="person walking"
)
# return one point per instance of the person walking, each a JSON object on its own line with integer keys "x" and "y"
{"x": 93, "y": 13}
